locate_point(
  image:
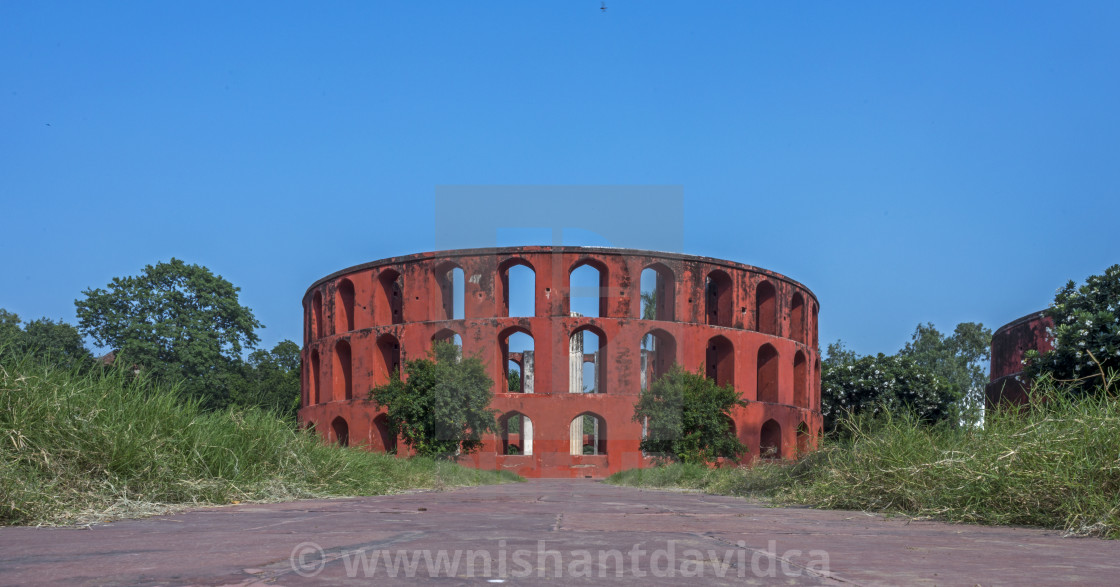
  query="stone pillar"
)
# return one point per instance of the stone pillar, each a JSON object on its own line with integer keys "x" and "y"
{"x": 575, "y": 360}
{"x": 575, "y": 437}
{"x": 527, "y": 371}
{"x": 526, "y": 435}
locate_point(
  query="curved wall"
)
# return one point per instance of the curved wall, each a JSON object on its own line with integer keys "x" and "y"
{"x": 746, "y": 326}
{"x": 1009, "y": 344}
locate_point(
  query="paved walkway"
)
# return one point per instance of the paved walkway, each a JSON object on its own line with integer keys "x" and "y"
{"x": 546, "y": 532}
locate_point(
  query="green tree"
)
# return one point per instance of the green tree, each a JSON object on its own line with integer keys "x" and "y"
{"x": 270, "y": 380}
{"x": 59, "y": 341}
{"x": 961, "y": 359}
{"x": 895, "y": 383}
{"x": 689, "y": 418}
{"x": 443, "y": 406}
{"x": 1086, "y": 333}
{"x": 513, "y": 381}
{"x": 175, "y": 320}
{"x": 11, "y": 336}
{"x": 838, "y": 353}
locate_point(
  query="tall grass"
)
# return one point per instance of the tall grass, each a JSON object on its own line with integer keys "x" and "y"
{"x": 84, "y": 446}
{"x": 1054, "y": 465}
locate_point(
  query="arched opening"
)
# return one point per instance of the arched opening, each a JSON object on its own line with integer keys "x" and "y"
{"x": 658, "y": 293}
{"x": 516, "y": 430}
{"x": 800, "y": 381}
{"x": 344, "y": 306}
{"x": 770, "y": 440}
{"x": 517, "y": 358}
{"x": 449, "y": 336}
{"x": 387, "y": 360}
{"x": 383, "y": 438}
{"x": 803, "y": 439}
{"x": 389, "y": 305}
{"x": 514, "y": 383}
{"x": 341, "y": 431}
{"x": 813, "y": 321}
{"x": 313, "y": 378}
{"x": 451, "y": 282}
{"x": 797, "y": 318}
{"x": 519, "y": 288}
{"x": 587, "y": 435}
{"x": 766, "y": 382}
{"x": 317, "y": 315}
{"x": 587, "y": 361}
{"x": 342, "y": 372}
{"x": 587, "y": 289}
{"x": 816, "y": 399}
{"x": 718, "y": 298}
{"x": 659, "y": 352}
{"x": 719, "y": 361}
{"x": 765, "y": 309}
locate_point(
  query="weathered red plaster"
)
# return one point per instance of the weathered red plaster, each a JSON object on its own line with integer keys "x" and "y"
{"x": 362, "y": 323}
{"x": 1009, "y": 345}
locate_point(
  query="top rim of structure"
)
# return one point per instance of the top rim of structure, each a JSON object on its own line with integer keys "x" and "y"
{"x": 619, "y": 251}
{"x": 1020, "y": 321}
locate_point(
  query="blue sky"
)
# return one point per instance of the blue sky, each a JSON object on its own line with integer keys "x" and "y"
{"x": 940, "y": 162}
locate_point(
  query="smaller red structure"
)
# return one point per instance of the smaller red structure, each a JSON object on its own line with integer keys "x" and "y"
{"x": 1010, "y": 344}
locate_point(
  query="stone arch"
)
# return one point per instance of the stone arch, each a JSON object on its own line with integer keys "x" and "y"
{"x": 719, "y": 361}
{"x": 387, "y": 359}
{"x": 511, "y": 295}
{"x": 800, "y": 380}
{"x": 451, "y": 280}
{"x": 797, "y": 318}
{"x": 579, "y": 358}
{"x": 719, "y": 298}
{"x": 766, "y": 380}
{"x": 766, "y": 308}
{"x": 313, "y": 377}
{"x": 587, "y": 435}
{"x": 341, "y": 431}
{"x": 813, "y": 324}
{"x": 516, "y": 431}
{"x": 659, "y": 353}
{"x": 317, "y": 314}
{"x": 803, "y": 440}
{"x": 815, "y": 400}
{"x": 449, "y": 336}
{"x": 389, "y": 298}
{"x": 601, "y": 291}
{"x": 344, "y": 306}
{"x": 342, "y": 374}
{"x": 770, "y": 440}
{"x": 381, "y": 435}
{"x": 524, "y": 357}
{"x": 657, "y": 279}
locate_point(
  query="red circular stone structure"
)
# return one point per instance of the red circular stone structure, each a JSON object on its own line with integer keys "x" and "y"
{"x": 1010, "y": 344}
{"x": 748, "y": 327}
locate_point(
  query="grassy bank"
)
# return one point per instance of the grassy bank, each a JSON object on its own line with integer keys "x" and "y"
{"x": 77, "y": 447}
{"x": 1054, "y": 467}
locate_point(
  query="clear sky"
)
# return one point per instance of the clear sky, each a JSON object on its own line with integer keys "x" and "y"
{"x": 908, "y": 162}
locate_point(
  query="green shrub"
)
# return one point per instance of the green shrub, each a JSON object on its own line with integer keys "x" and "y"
{"x": 444, "y": 406}
{"x": 1086, "y": 333}
{"x": 689, "y": 418}
{"x": 874, "y": 384}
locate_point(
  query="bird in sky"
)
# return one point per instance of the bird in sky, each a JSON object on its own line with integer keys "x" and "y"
{"x": 603, "y": 7}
